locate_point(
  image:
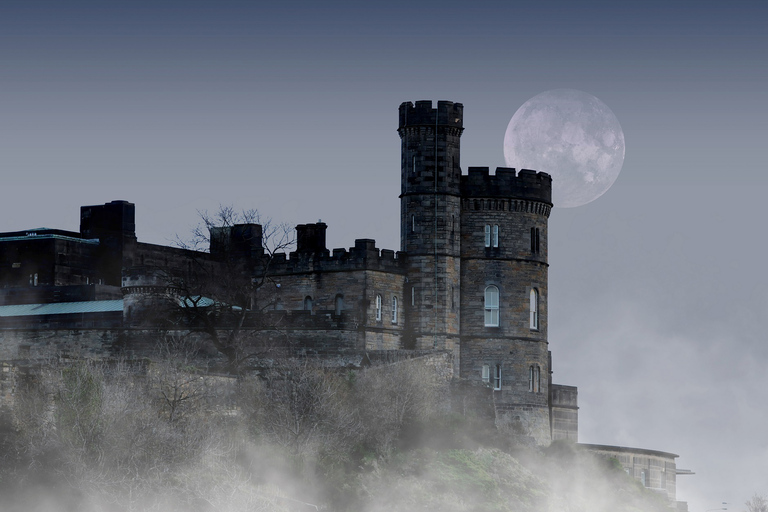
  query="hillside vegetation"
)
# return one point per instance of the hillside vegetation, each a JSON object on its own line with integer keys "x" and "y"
{"x": 167, "y": 436}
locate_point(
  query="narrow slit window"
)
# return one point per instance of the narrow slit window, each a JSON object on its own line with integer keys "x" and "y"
{"x": 534, "y": 308}
{"x": 495, "y": 236}
{"x": 497, "y": 377}
{"x": 394, "y": 309}
{"x": 534, "y": 379}
{"x": 535, "y": 244}
{"x": 487, "y": 235}
{"x": 486, "y": 374}
{"x": 338, "y": 304}
{"x": 378, "y": 308}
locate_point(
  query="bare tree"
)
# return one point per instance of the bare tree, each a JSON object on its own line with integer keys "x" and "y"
{"x": 227, "y": 286}
{"x": 305, "y": 407}
{"x": 757, "y": 503}
{"x": 392, "y": 395}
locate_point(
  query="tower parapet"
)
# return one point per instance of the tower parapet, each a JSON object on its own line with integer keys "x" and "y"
{"x": 447, "y": 113}
{"x": 525, "y": 184}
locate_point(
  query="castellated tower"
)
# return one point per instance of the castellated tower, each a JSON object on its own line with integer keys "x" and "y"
{"x": 504, "y": 294}
{"x": 477, "y": 265}
{"x": 430, "y": 227}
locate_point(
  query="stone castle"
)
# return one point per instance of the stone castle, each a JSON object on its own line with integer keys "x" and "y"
{"x": 469, "y": 282}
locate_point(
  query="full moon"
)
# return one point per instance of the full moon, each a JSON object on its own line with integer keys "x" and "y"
{"x": 572, "y": 136}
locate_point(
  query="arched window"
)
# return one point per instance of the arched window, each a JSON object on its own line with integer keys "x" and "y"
{"x": 394, "y": 309}
{"x": 491, "y": 306}
{"x": 307, "y": 303}
{"x": 338, "y": 304}
{"x": 534, "y": 308}
{"x": 378, "y": 308}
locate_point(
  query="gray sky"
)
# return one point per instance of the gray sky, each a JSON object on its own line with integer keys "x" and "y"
{"x": 658, "y": 290}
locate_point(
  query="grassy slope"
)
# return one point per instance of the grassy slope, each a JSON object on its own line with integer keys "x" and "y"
{"x": 480, "y": 480}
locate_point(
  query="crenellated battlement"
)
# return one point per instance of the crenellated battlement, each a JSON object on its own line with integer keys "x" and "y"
{"x": 524, "y": 185}
{"x": 447, "y": 113}
{"x": 363, "y": 256}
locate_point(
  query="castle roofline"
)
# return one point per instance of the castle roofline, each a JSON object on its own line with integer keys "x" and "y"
{"x": 363, "y": 256}
{"x": 507, "y": 183}
{"x": 627, "y": 449}
{"x": 46, "y": 234}
{"x": 62, "y": 308}
{"x": 447, "y": 113}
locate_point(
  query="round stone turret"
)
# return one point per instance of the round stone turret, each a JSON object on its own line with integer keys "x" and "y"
{"x": 504, "y": 293}
{"x": 430, "y": 209}
{"x": 148, "y": 295}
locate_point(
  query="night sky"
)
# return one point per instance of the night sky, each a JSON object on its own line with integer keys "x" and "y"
{"x": 658, "y": 300}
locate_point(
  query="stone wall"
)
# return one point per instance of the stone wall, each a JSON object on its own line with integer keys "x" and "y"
{"x": 565, "y": 412}
{"x": 654, "y": 469}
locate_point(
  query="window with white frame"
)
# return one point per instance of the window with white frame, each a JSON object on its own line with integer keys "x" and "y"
{"x": 491, "y": 306}
{"x": 534, "y": 308}
{"x": 486, "y": 374}
{"x": 534, "y": 379}
{"x": 394, "y": 309}
{"x": 491, "y": 235}
{"x": 497, "y": 377}
{"x": 378, "y": 308}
